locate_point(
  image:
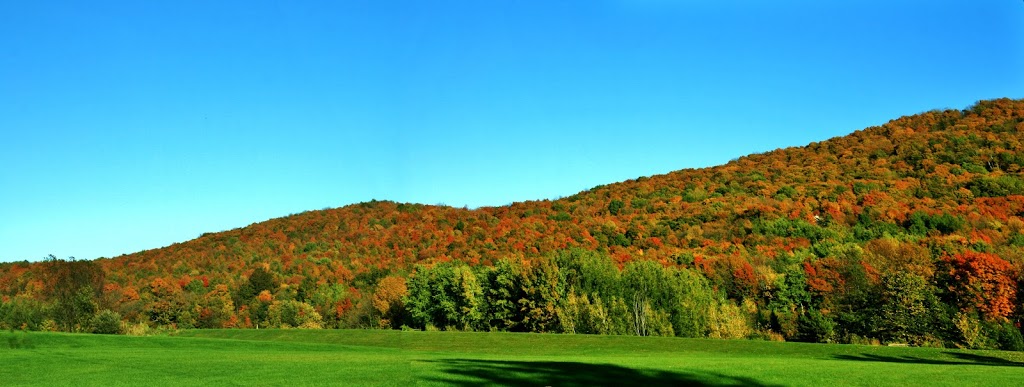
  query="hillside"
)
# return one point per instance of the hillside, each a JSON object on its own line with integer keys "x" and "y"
{"x": 936, "y": 196}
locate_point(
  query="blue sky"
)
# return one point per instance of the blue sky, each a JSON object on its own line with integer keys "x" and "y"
{"x": 128, "y": 125}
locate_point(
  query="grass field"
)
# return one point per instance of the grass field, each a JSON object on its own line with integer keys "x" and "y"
{"x": 354, "y": 357}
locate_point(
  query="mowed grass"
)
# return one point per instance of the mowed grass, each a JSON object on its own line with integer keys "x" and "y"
{"x": 395, "y": 358}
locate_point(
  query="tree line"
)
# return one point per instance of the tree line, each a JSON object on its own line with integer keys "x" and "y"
{"x": 967, "y": 302}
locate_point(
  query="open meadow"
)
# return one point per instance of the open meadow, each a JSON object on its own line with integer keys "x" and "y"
{"x": 378, "y": 357}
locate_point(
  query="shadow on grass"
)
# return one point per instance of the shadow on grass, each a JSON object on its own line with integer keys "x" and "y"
{"x": 963, "y": 358}
{"x": 19, "y": 340}
{"x": 471, "y": 372}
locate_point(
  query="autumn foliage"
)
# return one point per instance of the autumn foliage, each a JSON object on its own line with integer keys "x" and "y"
{"x": 984, "y": 282}
{"x": 802, "y": 243}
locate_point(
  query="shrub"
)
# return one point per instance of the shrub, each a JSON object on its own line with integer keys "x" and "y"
{"x": 106, "y": 322}
{"x": 293, "y": 313}
{"x": 765, "y": 335}
{"x": 1006, "y": 336}
{"x": 861, "y": 340}
{"x": 135, "y": 329}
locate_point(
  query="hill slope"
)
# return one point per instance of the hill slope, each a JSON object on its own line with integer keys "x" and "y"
{"x": 916, "y": 195}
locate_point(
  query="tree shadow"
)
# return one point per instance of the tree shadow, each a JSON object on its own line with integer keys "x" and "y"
{"x": 472, "y": 372}
{"x": 19, "y": 340}
{"x": 985, "y": 360}
{"x": 962, "y": 358}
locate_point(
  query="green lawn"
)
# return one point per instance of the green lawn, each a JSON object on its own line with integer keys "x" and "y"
{"x": 354, "y": 357}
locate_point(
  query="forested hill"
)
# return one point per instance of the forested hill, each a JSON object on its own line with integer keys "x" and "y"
{"x": 936, "y": 195}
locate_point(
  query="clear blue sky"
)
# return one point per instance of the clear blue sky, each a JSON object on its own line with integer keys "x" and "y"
{"x": 130, "y": 125}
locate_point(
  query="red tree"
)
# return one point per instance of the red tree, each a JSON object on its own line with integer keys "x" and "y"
{"x": 984, "y": 282}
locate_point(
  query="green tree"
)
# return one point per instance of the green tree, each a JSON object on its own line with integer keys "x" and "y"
{"x": 22, "y": 313}
{"x": 816, "y": 327}
{"x": 502, "y": 291}
{"x": 693, "y": 298}
{"x": 543, "y": 290}
{"x": 908, "y": 304}
{"x": 679, "y": 297}
{"x": 447, "y": 295}
{"x": 580, "y": 314}
{"x": 615, "y": 206}
{"x": 590, "y": 273}
{"x": 293, "y": 314}
{"x": 261, "y": 280}
{"x": 330, "y": 300}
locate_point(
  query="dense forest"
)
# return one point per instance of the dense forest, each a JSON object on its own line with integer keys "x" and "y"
{"x": 910, "y": 232}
